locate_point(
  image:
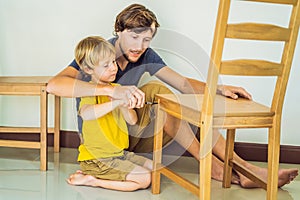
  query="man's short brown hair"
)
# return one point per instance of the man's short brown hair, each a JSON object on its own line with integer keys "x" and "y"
{"x": 135, "y": 17}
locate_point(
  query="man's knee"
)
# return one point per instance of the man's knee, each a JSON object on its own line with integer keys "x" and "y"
{"x": 154, "y": 87}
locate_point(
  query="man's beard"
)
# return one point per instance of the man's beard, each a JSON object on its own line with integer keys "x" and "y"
{"x": 123, "y": 53}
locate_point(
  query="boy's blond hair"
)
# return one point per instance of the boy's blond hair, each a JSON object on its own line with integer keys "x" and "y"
{"x": 91, "y": 50}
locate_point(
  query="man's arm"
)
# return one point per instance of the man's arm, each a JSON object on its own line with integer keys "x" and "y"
{"x": 179, "y": 82}
{"x": 66, "y": 84}
{"x": 188, "y": 85}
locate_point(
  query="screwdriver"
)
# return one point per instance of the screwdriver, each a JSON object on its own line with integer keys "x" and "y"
{"x": 150, "y": 103}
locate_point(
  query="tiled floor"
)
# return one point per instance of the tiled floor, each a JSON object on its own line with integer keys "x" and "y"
{"x": 20, "y": 179}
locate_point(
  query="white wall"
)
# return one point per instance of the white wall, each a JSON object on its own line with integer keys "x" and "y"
{"x": 38, "y": 37}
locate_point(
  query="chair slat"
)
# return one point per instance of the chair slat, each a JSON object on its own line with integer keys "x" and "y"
{"x": 254, "y": 31}
{"x": 291, "y": 2}
{"x": 251, "y": 68}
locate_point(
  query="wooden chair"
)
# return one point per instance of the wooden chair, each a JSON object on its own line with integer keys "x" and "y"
{"x": 204, "y": 110}
{"x": 32, "y": 86}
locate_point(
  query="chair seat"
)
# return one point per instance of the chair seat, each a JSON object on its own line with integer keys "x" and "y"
{"x": 227, "y": 112}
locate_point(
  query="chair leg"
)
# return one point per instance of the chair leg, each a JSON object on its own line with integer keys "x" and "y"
{"x": 273, "y": 160}
{"x": 206, "y": 132}
{"x": 157, "y": 151}
{"x": 43, "y": 129}
{"x": 230, "y": 137}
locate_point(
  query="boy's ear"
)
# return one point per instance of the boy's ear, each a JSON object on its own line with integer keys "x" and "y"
{"x": 88, "y": 70}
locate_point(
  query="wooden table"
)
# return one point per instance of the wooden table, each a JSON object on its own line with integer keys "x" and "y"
{"x": 32, "y": 86}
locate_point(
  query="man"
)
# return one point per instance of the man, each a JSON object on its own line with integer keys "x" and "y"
{"x": 135, "y": 27}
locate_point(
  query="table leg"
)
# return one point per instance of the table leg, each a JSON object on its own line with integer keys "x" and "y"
{"x": 57, "y": 124}
{"x": 44, "y": 130}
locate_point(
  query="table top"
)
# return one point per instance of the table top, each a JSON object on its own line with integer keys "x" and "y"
{"x": 24, "y": 80}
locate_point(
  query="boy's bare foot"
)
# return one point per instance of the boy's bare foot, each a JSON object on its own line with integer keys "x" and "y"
{"x": 80, "y": 179}
{"x": 285, "y": 176}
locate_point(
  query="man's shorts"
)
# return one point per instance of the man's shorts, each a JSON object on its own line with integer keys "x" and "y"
{"x": 116, "y": 168}
{"x": 141, "y": 134}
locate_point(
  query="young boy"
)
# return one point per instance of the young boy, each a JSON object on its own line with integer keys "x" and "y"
{"x": 102, "y": 158}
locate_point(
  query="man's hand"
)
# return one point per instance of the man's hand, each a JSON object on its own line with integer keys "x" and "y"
{"x": 131, "y": 95}
{"x": 233, "y": 92}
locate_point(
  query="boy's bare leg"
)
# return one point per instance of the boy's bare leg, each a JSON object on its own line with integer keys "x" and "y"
{"x": 138, "y": 178}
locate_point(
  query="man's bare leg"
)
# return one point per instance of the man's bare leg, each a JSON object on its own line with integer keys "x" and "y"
{"x": 181, "y": 131}
{"x": 183, "y": 134}
{"x": 285, "y": 176}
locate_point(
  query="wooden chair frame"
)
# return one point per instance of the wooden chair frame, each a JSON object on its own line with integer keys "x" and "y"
{"x": 241, "y": 113}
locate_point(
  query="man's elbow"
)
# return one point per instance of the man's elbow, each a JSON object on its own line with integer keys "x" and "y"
{"x": 51, "y": 86}
{"x": 55, "y": 87}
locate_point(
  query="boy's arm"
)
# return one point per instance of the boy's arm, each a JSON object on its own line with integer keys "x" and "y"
{"x": 94, "y": 111}
{"x": 129, "y": 115}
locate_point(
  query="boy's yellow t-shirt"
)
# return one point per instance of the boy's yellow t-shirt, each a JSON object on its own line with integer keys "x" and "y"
{"x": 104, "y": 137}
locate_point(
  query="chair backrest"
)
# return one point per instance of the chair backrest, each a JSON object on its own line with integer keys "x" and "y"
{"x": 251, "y": 67}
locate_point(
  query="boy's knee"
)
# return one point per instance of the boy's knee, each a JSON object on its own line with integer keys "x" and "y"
{"x": 147, "y": 180}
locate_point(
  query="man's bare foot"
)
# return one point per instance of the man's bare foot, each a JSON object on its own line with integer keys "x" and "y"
{"x": 285, "y": 176}
{"x": 80, "y": 179}
{"x": 217, "y": 171}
